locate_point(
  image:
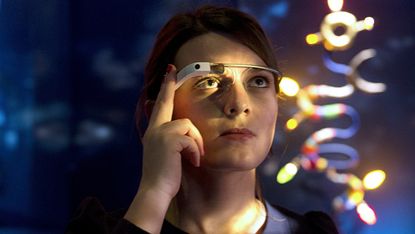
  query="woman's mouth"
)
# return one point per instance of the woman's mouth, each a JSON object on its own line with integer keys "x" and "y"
{"x": 240, "y": 134}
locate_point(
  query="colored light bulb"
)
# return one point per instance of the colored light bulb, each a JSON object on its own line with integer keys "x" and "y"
{"x": 366, "y": 213}
{"x": 335, "y": 5}
{"x": 374, "y": 179}
{"x": 289, "y": 86}
{"x": 287, "y": 173}
{"x": 291, "y": 124}
{"x": 313, "y": 38}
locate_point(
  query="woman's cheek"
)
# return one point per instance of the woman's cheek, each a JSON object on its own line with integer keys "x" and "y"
{"x": 269, "y": 109}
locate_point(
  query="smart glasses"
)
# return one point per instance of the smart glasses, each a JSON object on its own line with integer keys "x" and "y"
{"x": 201, "y": 69}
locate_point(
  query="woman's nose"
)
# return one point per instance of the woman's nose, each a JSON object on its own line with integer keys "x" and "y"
{"x": 236, "y": 101}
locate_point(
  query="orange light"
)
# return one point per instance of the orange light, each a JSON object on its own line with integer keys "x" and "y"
{"x": 366, "y": 213}
{"x": 321, "y": 164}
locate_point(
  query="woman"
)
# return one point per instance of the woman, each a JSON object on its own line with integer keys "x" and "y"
{"x": 210, "y": 126}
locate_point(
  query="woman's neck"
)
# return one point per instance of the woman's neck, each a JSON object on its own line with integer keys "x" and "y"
{"x": 211, "y": 201}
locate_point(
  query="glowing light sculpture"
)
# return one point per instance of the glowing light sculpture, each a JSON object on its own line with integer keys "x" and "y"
{"x": 335, "y": 20}
{"x": 312, "y": 156}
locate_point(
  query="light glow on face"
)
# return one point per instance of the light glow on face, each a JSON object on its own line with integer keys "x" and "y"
{"x": 207, "y": 109}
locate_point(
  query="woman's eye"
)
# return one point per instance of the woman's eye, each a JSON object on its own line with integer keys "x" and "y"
{"x": 259, "y": 82}
{"x": 208, "y": 83}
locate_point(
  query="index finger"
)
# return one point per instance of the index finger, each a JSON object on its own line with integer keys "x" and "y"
{"x": 163, "y": 108}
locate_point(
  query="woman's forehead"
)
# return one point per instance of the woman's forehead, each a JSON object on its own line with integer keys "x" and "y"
{"x": 213, "y": 47}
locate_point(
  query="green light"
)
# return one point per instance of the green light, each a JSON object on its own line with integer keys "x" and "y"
{"x": 332, "y": 110}
{"x": 287, "y": 173}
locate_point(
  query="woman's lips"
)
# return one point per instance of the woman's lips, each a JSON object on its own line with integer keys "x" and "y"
{"x": 238, "y": 134}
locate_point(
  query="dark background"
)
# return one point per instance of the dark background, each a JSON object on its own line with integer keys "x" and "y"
{"x": 70, "y": 76}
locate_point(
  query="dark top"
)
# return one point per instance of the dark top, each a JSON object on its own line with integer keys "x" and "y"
{"x": 91, "y": 217}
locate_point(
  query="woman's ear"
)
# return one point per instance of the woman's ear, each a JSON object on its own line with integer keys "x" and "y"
{"x": 148, "y": 108}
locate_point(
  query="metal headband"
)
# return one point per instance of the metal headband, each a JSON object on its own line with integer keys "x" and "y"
{"x": 205, "y": 68}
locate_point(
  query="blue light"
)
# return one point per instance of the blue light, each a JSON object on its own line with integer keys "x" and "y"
{"x": 279, "y": 9}
{"x": 2, "y": 116}
{"x": 11, "y": 139}
{"x": 103, "y": 132}
{"x": 334, "y": 66}
{"x": 340, "y": 149}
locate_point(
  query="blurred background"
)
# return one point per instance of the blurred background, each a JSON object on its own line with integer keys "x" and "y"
{"x": 71, "y": 73}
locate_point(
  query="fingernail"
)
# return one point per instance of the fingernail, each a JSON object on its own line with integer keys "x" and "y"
{"x": 169, "y": 68}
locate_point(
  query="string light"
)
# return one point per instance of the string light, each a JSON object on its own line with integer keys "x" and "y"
{"x": 374, "y": 179}
{"x": 357, "y": 80}
{"x": 292, "y": 124}
{"x": 339, "y": 19}
{"x": 313, "y": 38}
{"x": 335, "y": 5}
{"x": 289, "y": 86}
{"x": 287, "y": 173}
{"x": 315, "y": 149}
{"x": 369, "y": 22}
{"x": 366, "y": 214}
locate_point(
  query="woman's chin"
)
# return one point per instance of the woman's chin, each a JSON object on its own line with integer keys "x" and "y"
{"x": 231, "y": 162}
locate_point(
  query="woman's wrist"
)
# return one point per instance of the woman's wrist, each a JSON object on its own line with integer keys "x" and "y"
{"x": 148, "y": 210}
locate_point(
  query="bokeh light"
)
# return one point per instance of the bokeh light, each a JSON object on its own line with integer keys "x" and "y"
{"x": 317, "y": 149}
{"x": 335, "y": 5}
{"x": 287, "y": 173}
{"x": 289, "y": 86}
{"x": 291, "y": 124}
{"x": 374, "y": 179}
{"x": 366, "y": 213}
{"x": 313, "y": 38}
{"x": 369, "y": 22}
{"x": 356, "y": 197}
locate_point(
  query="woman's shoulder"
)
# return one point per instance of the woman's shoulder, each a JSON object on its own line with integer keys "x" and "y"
{"x": 91, "y": 217}
{"x": 283, "y": 220}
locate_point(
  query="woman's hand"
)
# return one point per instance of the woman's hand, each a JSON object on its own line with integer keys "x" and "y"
{"x": 165, "y": 142}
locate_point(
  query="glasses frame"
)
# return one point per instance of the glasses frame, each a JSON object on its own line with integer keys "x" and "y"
{"x": 205, "y": 68}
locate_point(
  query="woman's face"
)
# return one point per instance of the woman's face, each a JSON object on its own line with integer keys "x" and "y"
{"x": 237, "y": 123}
